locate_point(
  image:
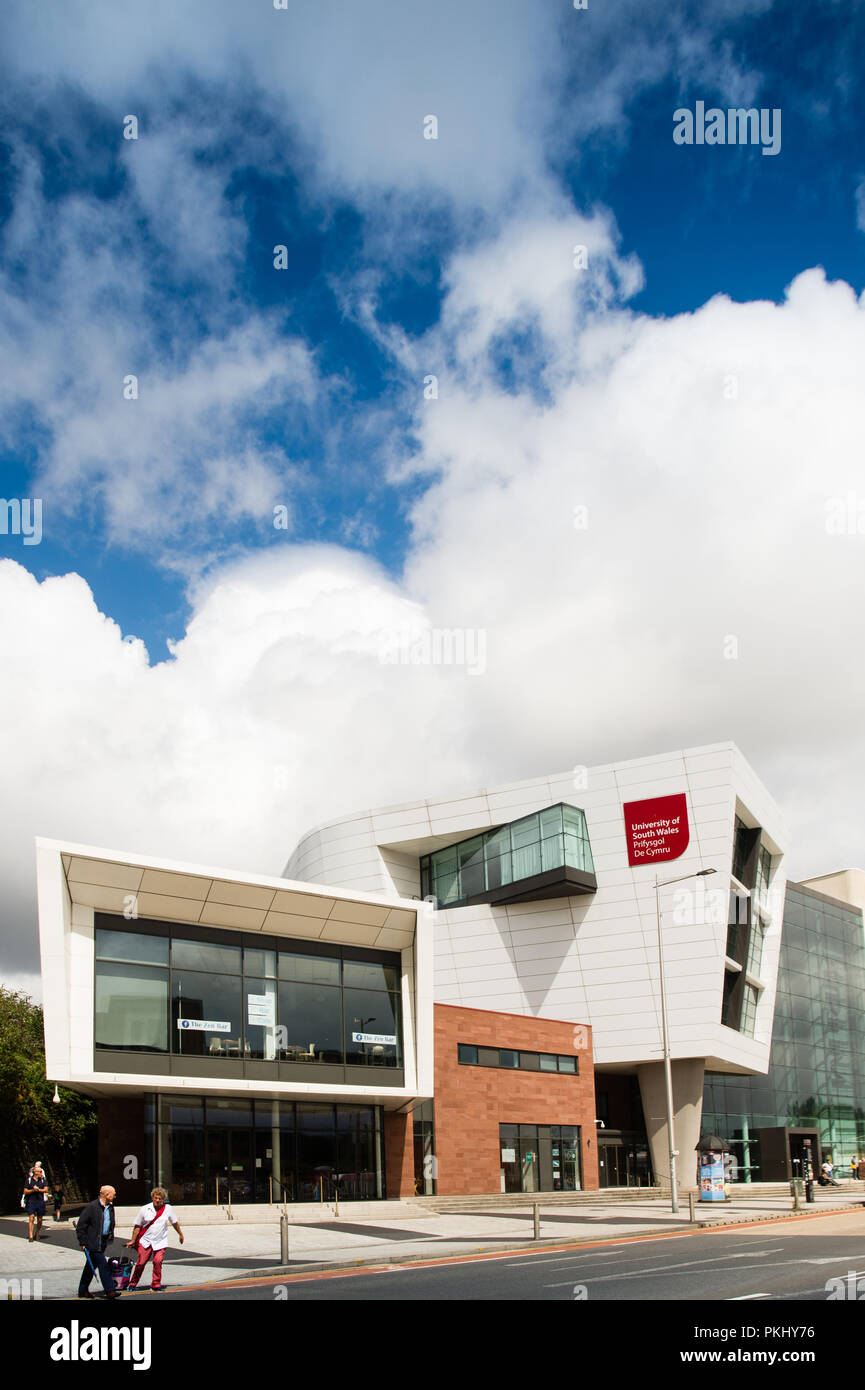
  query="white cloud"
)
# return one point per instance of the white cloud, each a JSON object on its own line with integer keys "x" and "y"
{"x": 356, "y": 81}
{"x": 185, "y": 442}
{"x": 707, "y": 510}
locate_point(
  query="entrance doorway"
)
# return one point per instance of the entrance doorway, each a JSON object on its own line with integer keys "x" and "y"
{"x": 540, "y": 1158}
{"x": 623, "y": 1159}
{"x": 229, "y": 1162}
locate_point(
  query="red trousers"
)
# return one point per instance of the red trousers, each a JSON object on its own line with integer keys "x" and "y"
{"x": 144, "y": 1253}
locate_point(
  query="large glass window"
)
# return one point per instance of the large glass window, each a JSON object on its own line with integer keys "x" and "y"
{"x": 201, "y": 998}
{"x": 553, "y": 838}
{"x": 312, "y": 1020}
{"x": 131, "y": 1007}
{"x": 206, "y": 1014}
{"x": 372, "y": 1030}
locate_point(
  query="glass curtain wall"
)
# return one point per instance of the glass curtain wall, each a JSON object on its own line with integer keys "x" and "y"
{"x": 265, "y": 1151}
{"x": 816, "y": 1077}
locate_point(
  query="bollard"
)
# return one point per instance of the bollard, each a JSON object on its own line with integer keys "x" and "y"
{"x": 283, "y": 1239}
{"x": 690, "y": 1206}
{"x": 536, "y": 1211}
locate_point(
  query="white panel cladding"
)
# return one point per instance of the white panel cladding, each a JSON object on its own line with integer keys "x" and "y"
{"x": 67, "y": 946}
{"x": 595, "y": 959}
{"x": 402, "y": 871}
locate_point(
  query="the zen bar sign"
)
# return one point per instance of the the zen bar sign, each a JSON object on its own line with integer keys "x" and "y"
{"x": 203, "y": 1025}
{"x": 656, "y": 829}
{"x": 388, "y": 1039}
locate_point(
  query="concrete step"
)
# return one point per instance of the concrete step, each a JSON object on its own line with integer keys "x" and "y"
{"x": 504, "y": 1201}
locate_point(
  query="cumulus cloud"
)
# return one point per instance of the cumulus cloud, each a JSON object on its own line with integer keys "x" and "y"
{"x": 150, "y": 429}
{"x": 710, "y": 589}
{"x": 274, "y": 709}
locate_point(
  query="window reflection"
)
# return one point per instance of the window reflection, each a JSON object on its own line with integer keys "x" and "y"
{"x": 248, "y": 1002}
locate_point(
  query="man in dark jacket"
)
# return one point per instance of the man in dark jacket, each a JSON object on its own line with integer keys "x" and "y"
{"x": 95, "y": 1231}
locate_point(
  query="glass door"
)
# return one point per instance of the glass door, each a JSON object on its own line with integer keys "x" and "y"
{"x": 528, "y": 1156}
{"x": 611, "y": 1166}
{"x": 229, "y": 1165}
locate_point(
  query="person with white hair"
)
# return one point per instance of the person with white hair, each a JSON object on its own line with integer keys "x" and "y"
{"x": 150, "y": 1237}
{"x": 34, "y": 1195}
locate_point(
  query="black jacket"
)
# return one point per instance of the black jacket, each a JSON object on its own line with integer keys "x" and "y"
{"x": 88, "y": 1232}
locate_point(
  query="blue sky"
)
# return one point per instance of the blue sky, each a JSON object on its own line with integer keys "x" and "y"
{"x": 303, "y": 389}
{"x": 734, "y": 223}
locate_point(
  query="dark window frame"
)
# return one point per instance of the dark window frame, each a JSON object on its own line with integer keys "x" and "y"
{"x": 287, "y": 946}
{"x": 557, "y": 1070}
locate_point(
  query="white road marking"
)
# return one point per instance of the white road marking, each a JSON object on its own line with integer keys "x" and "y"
{"x": 666, "y": 1269}
{"x": 547, "y": 1260}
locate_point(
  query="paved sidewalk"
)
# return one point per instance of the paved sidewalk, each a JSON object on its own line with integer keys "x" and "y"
{"x": 396, "y": 1232}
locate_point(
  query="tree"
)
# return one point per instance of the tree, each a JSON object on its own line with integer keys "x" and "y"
{"x": 31, "y": 1125}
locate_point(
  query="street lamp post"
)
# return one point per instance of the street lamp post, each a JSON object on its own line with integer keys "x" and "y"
{"x": 668, "y": 1071}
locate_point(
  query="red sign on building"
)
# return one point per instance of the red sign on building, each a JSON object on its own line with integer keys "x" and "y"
{"x": 657, "y": 829}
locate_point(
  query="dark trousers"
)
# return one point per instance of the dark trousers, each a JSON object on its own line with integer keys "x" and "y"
{"x": 100, "y": 1264}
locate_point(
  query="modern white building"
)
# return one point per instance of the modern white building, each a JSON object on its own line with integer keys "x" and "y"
{"x": 545, "y": 905}
{"x": 328, "y": 1029}
{"x": 238, "y": 1031}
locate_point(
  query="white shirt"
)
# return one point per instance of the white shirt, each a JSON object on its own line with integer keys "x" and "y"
{"x": 156, "y": 1236}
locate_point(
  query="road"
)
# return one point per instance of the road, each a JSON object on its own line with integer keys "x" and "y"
{"x": 787, "y": 1260}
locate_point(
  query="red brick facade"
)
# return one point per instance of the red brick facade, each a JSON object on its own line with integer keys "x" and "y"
{"x": 472, "y": 1101}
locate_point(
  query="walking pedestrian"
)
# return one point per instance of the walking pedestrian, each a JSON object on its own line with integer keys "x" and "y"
{"x": 34, "y": 1192}
{"x": 150, "y": 1237}
{"x": 95, "y": 1231}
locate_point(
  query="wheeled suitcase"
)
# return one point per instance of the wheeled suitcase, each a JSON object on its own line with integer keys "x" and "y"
{"x": 121, "y": 1271}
